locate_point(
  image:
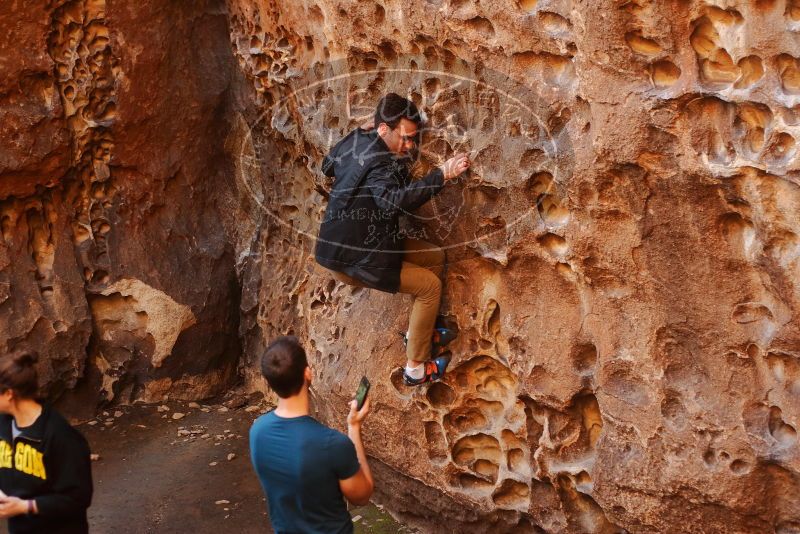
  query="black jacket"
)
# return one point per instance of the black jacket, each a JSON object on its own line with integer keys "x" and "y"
{"x": 49, "y": 462}
{"x": 360, "y": 234}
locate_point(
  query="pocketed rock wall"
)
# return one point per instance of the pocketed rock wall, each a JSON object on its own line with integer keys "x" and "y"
{"x": 623, "y": 254}
{"x": 114, "y": 264}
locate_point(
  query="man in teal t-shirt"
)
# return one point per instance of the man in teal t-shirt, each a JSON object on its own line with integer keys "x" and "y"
{"x": 306, "y": 469}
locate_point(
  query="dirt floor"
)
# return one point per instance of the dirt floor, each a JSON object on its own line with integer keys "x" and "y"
{"x": 185, "y": 468}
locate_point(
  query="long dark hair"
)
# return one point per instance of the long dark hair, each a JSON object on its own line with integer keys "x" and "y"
{"x": 18, "y": 373}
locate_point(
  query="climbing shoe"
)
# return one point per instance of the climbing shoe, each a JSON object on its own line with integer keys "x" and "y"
{"x": 434, "y": 370}
{"x": 439, "y": 340}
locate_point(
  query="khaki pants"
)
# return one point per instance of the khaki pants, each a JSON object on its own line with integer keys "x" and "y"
{"x": 420, "y": 277}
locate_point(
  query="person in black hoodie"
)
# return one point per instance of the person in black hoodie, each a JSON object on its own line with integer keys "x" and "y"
{"x": 45, "y": 464}
{"x": 360, "y": 239}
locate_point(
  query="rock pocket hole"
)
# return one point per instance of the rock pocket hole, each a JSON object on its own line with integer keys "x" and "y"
{"x": 783, "y": 433}
{"x": 481, "y": 26}
{"x": 740, "y": 467}
{"x": 583, "y": 481}
{"x": 80, "y": 233}
{"x": 476, "y": 447}
{"x": 591, "y": 416}
{"x": 664, "y": 74}
{"x": 472, "y": 482}
{"x": 465, "y": 419}
{"x": 584, "y": 358}
{"x": 751, "y": 312}
{"x": 781, "y": 150}
{"x": 487, "y": 469}
{"x": 789, "y": 73}
{"x": 642, "y": 45}
{"x": 512, "y": 494}
{"x": 492, "y": 319}
{"x": 100, "y": 277}
{"x": 716, "y": 65}
{"x": 673, "y": 411}
{"x": 516, "y": 460}
{"x": 432, "y": 86}
{"x": 553, "y": 22}
{"x": 539, "y": 184}
{"x": 565, "y": 270}
{"x": 749, "y": 125}
{"x": 552, "y": 212}
{"x": 752, "y": 70}
{"x": 396, "y": 379}
{"x": 555, "y": 244}
{"x": 440, "y": 395}
{"x": 792, "y": 12}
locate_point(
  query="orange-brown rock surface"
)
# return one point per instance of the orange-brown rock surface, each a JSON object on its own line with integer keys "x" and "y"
{"x": 623, "y": 256}
{"x": 113, "y": 262}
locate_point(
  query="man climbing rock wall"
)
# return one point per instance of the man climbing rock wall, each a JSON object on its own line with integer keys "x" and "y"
{"x": 623, "y": 255}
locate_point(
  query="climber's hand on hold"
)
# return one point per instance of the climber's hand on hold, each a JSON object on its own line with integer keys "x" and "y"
{"x": 455, "y": 166}
{"x": 356, "y": 417}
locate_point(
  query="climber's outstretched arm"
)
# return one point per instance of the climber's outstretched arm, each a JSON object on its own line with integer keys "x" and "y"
{"x": 391, "y": 196}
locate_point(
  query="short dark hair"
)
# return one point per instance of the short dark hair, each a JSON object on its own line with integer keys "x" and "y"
{"x": 392, "y": 108}
{"x": 18, "y": 373}
{"x": 284, "y": 365}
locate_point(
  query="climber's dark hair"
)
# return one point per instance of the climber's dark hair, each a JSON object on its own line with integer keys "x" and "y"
{"x": 392, "y": 108}
{"x": 18, "y": 374}
{"x": 284, "y": 365}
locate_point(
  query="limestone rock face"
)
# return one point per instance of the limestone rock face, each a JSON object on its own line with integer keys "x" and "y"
{"x": 114, "y": 263}
{"x": 623, "y": 255}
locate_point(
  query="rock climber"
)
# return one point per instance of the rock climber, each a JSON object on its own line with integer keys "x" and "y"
{"x": 360, "y": 240}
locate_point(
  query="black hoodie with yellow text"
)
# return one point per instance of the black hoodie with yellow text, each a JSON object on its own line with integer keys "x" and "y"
{"x": 50, "y": 463}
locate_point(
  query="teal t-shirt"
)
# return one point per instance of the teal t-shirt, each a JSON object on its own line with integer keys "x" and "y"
{"x": 300, "y": 462}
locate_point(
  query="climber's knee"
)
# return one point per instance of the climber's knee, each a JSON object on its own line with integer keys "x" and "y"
{"x": 431, "y": 287}
{"x": 420, "y": 282}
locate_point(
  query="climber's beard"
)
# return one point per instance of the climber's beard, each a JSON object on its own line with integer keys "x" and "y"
{"x": 408, "y": 157}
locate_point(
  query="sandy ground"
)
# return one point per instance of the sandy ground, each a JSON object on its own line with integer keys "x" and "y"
{"x": 159, "y": 472}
